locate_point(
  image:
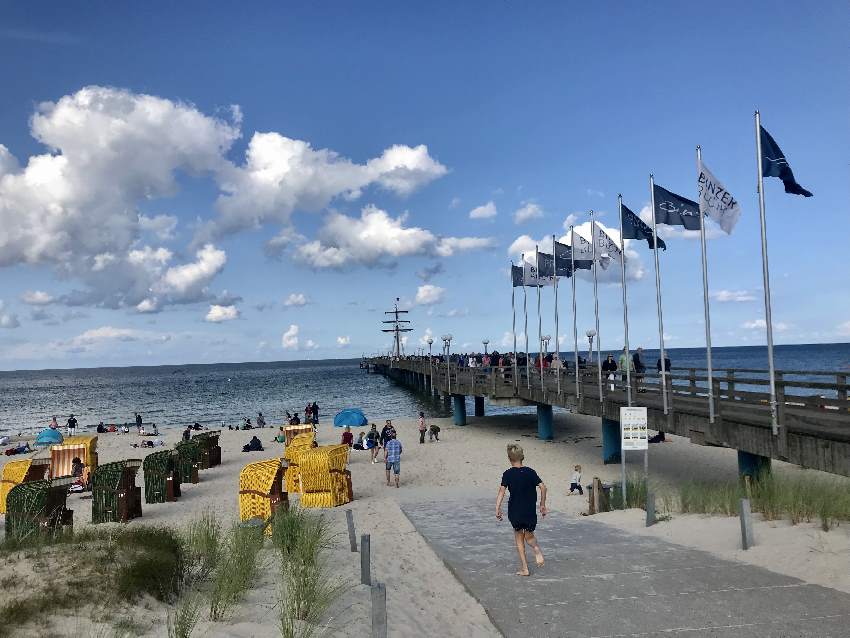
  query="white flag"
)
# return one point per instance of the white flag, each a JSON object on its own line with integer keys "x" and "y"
{"x": 606, "y": 248}
{"x": 582, "y": 249}
{"x": 530, "y": 278}
{"x": 715, "y": 201}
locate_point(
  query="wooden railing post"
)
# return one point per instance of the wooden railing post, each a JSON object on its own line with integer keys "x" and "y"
{"x": 718, "y": 403}
{"x": 730, "y": 384}
{"x": 841, "y": 380}
{"x": 692, "y": 381}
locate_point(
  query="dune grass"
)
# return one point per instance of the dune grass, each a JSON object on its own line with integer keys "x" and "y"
{"x": 234, "y": 570}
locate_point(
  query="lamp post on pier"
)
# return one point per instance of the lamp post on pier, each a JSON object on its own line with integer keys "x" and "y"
{"x": 485, "y": 342}
{"x": 431, "y": 363}
{"x": 590, "y": 334}
{"x": 447, "y": 340}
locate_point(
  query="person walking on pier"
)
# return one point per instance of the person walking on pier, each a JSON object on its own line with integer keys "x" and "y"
{"x": 625, "y": 360}
{"x": 522, "y": 482}
{"x": 609, "y": 367}
{"x": 640, "y": 369}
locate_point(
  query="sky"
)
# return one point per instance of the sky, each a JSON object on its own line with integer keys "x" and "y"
{"x": 207, "y": 182}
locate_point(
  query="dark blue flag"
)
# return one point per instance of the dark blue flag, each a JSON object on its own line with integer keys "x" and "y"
{"x": 545, "y": 265}
{"x": 675, "y": 210}
{"x": 635, "y": 228}
{"x": 563, "y": 258}
{"x": 774, "y": 164}
{"x": 516, "y": 276}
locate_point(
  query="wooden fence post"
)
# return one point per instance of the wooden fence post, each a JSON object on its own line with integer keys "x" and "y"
{"x": 379, "y": 610}
{"x": 746, "y": 524}
{"x": 352, "y": 538}
{"x": 730, "y": 384}
{"x": 692, "y": 381}
{"x": 841, "y": 379}
{"x": 365, "y": 560}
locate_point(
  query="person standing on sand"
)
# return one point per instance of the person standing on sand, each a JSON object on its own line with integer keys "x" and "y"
{"x": 72, "y": 425}
{"x": 522, "y": 482}
{"x": 392, "y": 457}
{"x": 138, "y": 423}
{"x": 422, "y": 428}
{"x": 372, "y": 442}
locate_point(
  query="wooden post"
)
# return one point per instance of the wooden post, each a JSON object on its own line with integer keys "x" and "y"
{"x": 730, "y": 385}
{"x": 352, "y": 538}
{"x": 379, "y": 610}
{"x": 718, "y": 403}
{"x": 692, "y": 381}
{"x": 597, "y": 488}
{"x": 782, "y": 446}
{"x": 365, "y": 560}
{"x": 746, "y": 524}
{"x": 841, "y": 380}
{"x": 650, "y": 509}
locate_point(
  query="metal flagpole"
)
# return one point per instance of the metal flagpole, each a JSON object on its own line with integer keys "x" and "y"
{"x": 539, "y": 319}
{"x": 658, "y": 298}
{"x": 774, "y": 421}
{"x": 525, "y": 312}
{"x": 596, "y": 307}
{"x": 705, "y": 301}
{"x": 575, "y": 326}
{"x": 625, "y": 305}
{"x": 513, "y": 327}
{"x": 557, "y": 342}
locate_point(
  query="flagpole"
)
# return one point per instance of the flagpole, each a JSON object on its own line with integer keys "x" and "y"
{"x": 539, "y": 320}
{"x": 625, "y": 305}
{"x": 596, "y": 307}
{"x": 710, "y": 374}
{"x": 575, "y": 326}
{"x": 513, "y": 327}
{"x": 658, "y": 298}
{"x": 774, "y": 421}
{"x": 557, "y": 342}
{"x": 525, "y": 312}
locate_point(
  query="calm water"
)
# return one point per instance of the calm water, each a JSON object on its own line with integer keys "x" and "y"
{"x": 222, "y": 394}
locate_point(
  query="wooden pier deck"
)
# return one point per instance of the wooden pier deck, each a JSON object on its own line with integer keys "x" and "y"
{"x": 814, "y": 415}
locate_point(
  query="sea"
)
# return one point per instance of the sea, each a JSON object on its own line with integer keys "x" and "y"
{"x": 222, "y": 394}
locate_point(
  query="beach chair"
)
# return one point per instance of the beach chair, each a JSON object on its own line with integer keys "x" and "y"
{"x": 291, "y": 431}
{"x": 188, "y": 454}
{"x": 17, "y": 472}
{"x": 115, "y": 497}
{"x": 292, "y": 453}
{"x": 323, "y": 479}
{"x": 90, "y": 441}
{"x": 162, "y": 479}
{"x": 210, "y": 451}
{"x": 38, "y": 508}
{"x": 61, "y": 457}
{"x": 261, "y": 491}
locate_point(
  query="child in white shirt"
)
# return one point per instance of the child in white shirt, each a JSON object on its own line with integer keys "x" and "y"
{"x": 575, "y": 481}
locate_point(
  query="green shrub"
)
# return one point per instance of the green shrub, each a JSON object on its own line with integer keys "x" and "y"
{"x": 150, "y": 560}
{"x": 636, "y": 490}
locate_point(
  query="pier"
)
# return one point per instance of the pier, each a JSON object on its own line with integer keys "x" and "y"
{"x": 814, "y": 416}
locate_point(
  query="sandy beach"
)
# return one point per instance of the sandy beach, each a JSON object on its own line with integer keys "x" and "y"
{"x": 424, "y": 598}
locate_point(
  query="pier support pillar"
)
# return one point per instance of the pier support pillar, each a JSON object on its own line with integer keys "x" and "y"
{"x": 753, "y": 465}
{"x": 459, "y": 409}
{"x": 611, "y": 441}
{"x": 479, "y": 406}
{"x": 544, "y": 422}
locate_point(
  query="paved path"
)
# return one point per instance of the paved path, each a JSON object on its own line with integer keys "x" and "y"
{"x": 600, "y": 581}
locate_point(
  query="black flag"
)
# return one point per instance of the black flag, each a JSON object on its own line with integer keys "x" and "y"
{"x": 675, "y": 210}
{"x": 635, "y": 228}
{"x": 545, "y": 265}
{"x": 774, "y": 164}
{"x": 563, "y": 256}
{"x": 516, "y": 276}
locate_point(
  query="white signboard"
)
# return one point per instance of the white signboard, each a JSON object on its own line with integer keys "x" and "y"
{"x": 633, "y": 429}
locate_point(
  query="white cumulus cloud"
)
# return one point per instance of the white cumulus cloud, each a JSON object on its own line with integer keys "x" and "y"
{"x": 527, "y": 212}
{"x": 217, "y": 313}
{"x": 428, "y": 295}
{"x": 8, "y": 319}
{"x": 738, "y": 296}
{"x": 295, "y": 299}
{"x": 289, "y": 340}
{"x": 36, "y": 298}
{"x": 343, "y": 341}
{"x": 485, "y": 211}
{"x": 761, "y": 324}
{"x": 160, "y": 225}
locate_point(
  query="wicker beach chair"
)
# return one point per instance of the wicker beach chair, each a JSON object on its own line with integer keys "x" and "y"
{"x": 162, "y": 479}
{"x": 210, "y": 451}
{"x": 17, "y": 472}
{"x": 324, "y": 481}
{"x": 61, "y": 457}
{"x": 188, "y": 455}
{"x": 291, "y": 431}
{"x": 115, "y": 497}
{"x": 38, "y": 507}
{"x": 90, "y": 441}
{"x": 261, "y": 491}
{"x": 292, "y": 453}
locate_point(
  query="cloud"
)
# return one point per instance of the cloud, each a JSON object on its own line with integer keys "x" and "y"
{"x": 8, "y": 319}
{"x": 162, "y": 226}
{"x": 289, "y": 340}
{"x": 40, "y": 314}
{"x": 455, "y": 312}
{"x": 570, "y": 220}
{"x": 527, "y": 212}
{"x": 310, "y": 345}
{"x": 736, "y": 296}
{"x": 277, "y": 245}
{"x": 377, "y": 239}
{"x": 295, "y": 299}
{"x": 454, "y": 203}
{"x": 429, "y": 272}
{"x": 343, "y": 341}
{"x": 190, "y": 279}
{"x": 485, "y": 211}
{"x": 428, "y": 295}
{"x": 37, "y": 298}
{"x": 712, "y": 230}
{"x": 592, "y": 192}
{"x": 423, "y": 340}
{"x": 524, "y": 244}
{"x": 218, "y": 314}
{"x": 761, "y": 324}
{"x": 264, "y": 305}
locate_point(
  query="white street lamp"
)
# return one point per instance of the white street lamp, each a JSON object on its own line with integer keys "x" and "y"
{"x": 590, "y": 334}
{"x": 485, "y": 342}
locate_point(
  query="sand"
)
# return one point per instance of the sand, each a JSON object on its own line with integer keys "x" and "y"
{"x": 423, "y": 596}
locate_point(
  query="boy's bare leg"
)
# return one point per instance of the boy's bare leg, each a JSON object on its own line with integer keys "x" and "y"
{"x": 519, "y": 537}
{"x": 532, "y": 542}
{"x": 396, "y": 480}
{"x": 388, "y": 476}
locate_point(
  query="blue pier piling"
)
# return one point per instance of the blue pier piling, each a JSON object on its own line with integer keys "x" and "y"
{"x": 611, "y": 442}
{"x": 544, "y": 422}
{"x": 479, "y": 406}
{"x": 459, "y": 409}
{"x": 752, "y": 465}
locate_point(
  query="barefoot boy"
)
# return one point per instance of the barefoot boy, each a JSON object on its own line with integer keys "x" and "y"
{"x": 522, "y": 482}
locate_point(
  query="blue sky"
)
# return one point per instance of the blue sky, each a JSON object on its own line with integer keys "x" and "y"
{"x": 171, "y": 176}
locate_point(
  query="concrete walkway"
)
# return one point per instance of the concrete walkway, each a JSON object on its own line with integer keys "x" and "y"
{"x": 600, "y": 581}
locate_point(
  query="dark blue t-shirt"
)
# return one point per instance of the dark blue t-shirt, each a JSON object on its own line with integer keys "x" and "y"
{"x": 522, "y": 483}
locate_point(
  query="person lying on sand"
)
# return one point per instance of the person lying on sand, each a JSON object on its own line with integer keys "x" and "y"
{"x": 522, "y": 482}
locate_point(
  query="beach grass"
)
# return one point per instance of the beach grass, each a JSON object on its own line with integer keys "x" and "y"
{"x": 235, "y": 569}
{"x": 204, "y": 542}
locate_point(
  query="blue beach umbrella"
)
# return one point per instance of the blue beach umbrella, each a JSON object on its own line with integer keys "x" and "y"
{"x": 48, "y": 437}
{"x": 353, "y": 417}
